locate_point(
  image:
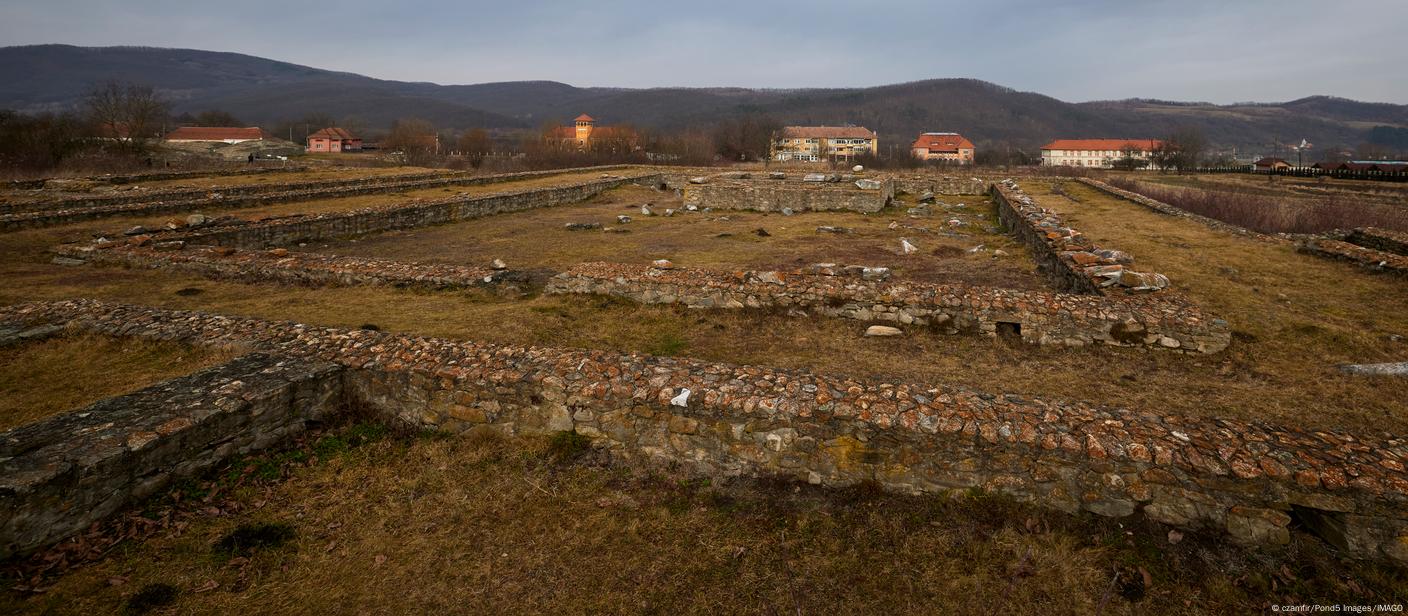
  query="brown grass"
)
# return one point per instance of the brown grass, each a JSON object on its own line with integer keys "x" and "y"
{"x": 1384, "y": 193}
{"x": 75, "y": 189}
{"x": 1274, "y": 213}
{"x": 481, "y": 525}
{"x": 718, "y": 240}
{"x": 314, "y": 174}
{"x": 45, "y": 378}
{"x": 1280, "y": 368}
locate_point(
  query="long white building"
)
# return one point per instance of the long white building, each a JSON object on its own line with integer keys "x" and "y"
{"x": 1099, "y": 153}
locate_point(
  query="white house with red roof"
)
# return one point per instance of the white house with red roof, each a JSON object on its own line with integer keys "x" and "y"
{"x": 1098, "y": 153}
{"x": 945, "y": 147}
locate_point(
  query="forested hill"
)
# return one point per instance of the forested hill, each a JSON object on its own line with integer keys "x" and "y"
{"x": 267, "y": 92}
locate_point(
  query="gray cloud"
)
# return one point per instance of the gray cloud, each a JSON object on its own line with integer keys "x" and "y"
{"x": 1074, "y": 50}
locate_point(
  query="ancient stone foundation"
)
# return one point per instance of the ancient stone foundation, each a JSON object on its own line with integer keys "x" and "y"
{"x": 59, "y": 183}
{"x": 1068, "y": 259}
{"x": 319, "y": 227}
{"x": 1035, "y": 317}
{"x": 1386, "y": 240}
{"x": 916, "y": 185}
{"x": 222, "y": 195}
{"x": 774, "y": 195}
{"x": 186, "y": 199}
{"x": 286, "y": 267}
{"x": 1248, "y": 479}
{"x": 1367, "y": 258}
{"x": 60, "y": 475}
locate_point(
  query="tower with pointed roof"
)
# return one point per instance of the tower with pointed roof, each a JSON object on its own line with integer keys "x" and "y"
{"x": 584, "y": 124}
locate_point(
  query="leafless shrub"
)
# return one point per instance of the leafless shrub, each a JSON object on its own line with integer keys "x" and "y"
{"x": 1273, "y": 214}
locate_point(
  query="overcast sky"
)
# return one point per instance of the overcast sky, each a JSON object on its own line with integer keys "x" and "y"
{"x": 1076, "y": 50}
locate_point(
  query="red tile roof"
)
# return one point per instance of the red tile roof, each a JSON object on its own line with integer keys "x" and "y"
{"x": 942, "y": 142}
{"x": 332, "y": 132}
{"x": 827, "y": 132}
{"x": 1267, "y": 162}
{"x": 584, "y": 118}
{"x": 1100, "y": 145}
{"x": 216, "y": 133}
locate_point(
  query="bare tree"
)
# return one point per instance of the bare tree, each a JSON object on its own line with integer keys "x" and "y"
{"x": 298, "y": 130}
{"x": 129, "y": 113}
{"x": 415, "y": 138}
{"x": 1182, "y": 149}
{"x": 38, "y": 142}
{"x": 745, "y": 138}
{"x": 474, "y": 145}
{"x": 1129, "y": 159}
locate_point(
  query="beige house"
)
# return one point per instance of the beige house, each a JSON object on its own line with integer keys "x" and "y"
{"x": 823, "y": 143}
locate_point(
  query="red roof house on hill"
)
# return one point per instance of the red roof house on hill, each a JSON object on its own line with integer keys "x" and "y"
{"x": 217, "y": 133}
{"x": 943, "y": 146}
{"x": 334, "y": 139}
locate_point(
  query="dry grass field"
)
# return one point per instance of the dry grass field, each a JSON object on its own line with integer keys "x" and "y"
{"x": 1277, "y": 204}
{"x": 1296, "y": 316}
{"x": 1388, "y": 193}
{"x": 358, "y": 520}
{"x": 89, "y": 189}
{"x": 726, "y": 240}
{"x": 41, "y": 379}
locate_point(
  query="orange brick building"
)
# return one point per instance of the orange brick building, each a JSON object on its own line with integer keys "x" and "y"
{"x": 948, "y": 147}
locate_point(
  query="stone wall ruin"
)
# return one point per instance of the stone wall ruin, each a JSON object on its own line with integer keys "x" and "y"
{"x": 60, "y": 475}
{"x": 1248, "y": 479}
{"x": 1036, "y": 317}
{"x": 769, "y": 193}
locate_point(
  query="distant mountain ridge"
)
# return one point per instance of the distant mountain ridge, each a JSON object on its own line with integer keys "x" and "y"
{"x": 266, "y": 92}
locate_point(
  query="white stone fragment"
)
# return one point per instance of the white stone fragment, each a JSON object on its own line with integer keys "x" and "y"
{"x": 883, "y": 331}
{"x": 681, "y": 400}
{"x": 1389, "y": 369}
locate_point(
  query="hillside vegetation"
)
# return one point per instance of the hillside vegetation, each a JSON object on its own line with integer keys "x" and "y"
{"x": 54, "y": 77}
